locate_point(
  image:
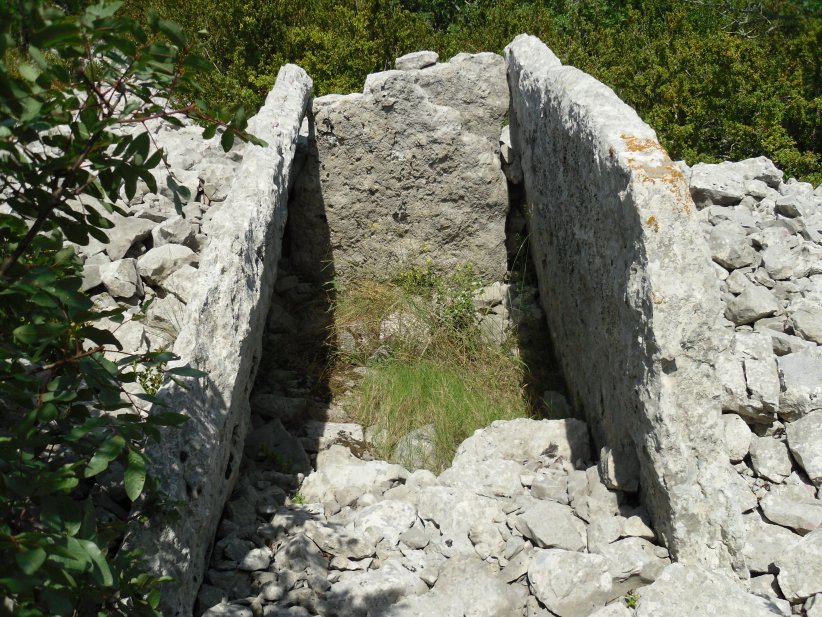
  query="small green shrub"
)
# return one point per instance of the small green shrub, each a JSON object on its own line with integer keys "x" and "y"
{"x": 631, "y": 599}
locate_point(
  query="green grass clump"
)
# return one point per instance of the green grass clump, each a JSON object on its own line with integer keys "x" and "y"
{"x": 398, "y": 396}
{"x": 431, "y": 365}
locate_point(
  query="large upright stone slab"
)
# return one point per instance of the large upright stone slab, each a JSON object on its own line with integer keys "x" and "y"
{"x": 407, "y": 171}
{"x": 629, "y": 294}
{"x": 197, "y": 465}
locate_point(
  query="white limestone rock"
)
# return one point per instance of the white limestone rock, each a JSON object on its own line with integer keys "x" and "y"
{"x": 338, "y": 469}
{"x": 793, "y": 506}
{"x": 805, "y": 442}
{"x": 737, "y": 436}
{"x": 238, "y": 274}
{"x": 725, "y": 183}
{"x": 765, "y": 543}
{"x": 523, "y": 440}
{"x": 160, "y": 262}
{"x": 570, "y": 584}
{"x": 416, "y": 60}
{"x": 347, "y": 543}
{"x": 729, "y": 247}
{"x": 751, "y": 305}
{"x": 127, "y": 231}
{"x": 492, "y": 477}
{"x": 687, "y": 590}
{"x": 182, "y": 282}
{"x": 552, "y": 525}
{"x": 629, "y": 305}
{"x": 801, "y": 377}
{"x": 800, "y": 568}
{"x": 359, "y": 594}
{"x": 770, "y": 458}
{"x": 175, "y": 230}
{"x": 806, "y": 319}
{"x": 121, "y": 278}
{"x": 633, "y": 563}
{"x": 415, "y": 162}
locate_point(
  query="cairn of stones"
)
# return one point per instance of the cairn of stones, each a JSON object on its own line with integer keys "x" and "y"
{"x": 684, "y": 306}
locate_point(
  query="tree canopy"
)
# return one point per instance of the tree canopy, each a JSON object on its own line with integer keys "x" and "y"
{"x": 717, "y": 79}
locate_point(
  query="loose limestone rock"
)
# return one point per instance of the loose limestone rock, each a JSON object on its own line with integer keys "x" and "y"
{"x": 800, "y": 568}
{"x": 162, "y": 261}
{"x": 416, "y": 60}
{"x": 121, "y": 278}
{"x": 524, "y": 439}
{"x": 801, "y": 376}
{"x": 737, "y": 437}
{"x": 770, "y": 458}
{"x": 552, "y": 525}
{"x": 570, "y": 584}
{"x": 805, "y": 442}
{"x": 685, "y": 590}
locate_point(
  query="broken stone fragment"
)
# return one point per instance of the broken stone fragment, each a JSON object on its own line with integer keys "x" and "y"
{"x": 416, "y": 60}
{"x": 751, "y": 305}
{"x": 160, "y": 262}
{"x": 121, "y": 278}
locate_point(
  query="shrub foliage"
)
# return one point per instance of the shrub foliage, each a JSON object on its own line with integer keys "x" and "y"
{"x": 72, "y": 433}
{"x": 717, "y": 79}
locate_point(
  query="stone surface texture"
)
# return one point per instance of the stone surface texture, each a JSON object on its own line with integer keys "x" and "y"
{"x": 629, "y": 295}
{"x": 405, "y": 171}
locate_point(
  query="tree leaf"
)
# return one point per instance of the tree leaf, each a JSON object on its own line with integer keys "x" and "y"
{"x": 186, "y": 371}
{"x": 227, "y": 140}
{"x": 107, "y": 452}
{"x": 31, "y": 560}
{"x": 135, "y": 474}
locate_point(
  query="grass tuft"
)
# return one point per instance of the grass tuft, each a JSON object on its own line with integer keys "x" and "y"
{"x": 428, "y": 362}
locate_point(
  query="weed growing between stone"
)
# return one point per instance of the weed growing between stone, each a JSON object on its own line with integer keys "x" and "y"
{"x": 427, "y": 363}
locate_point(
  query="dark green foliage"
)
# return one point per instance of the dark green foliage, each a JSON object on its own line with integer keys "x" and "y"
{"x": 717, "y": 79}
{"x": 69, "y": 430}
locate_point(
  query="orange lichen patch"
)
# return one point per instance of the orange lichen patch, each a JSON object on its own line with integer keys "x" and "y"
{"x": 653, "y": 223}
{"x": 637, "y": 144}
{"x": 664, "y": 171}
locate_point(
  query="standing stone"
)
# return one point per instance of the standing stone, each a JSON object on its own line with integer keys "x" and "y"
{"x": 629, "y": 295}
{"x": 227, "y": 312}
{"x": 407, "y": 171}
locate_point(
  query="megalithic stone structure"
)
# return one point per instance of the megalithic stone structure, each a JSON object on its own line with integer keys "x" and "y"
{"x": 197, "y": 465}
{"x": 630, "y": 298}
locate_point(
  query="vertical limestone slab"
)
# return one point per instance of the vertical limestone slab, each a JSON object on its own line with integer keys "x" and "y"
{"x": 407, "y": 171}
{"x": 630, "y": 298}
{"x": 197, "y": 465}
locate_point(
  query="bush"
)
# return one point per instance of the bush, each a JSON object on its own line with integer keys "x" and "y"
{"x": 71, "y": 430}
